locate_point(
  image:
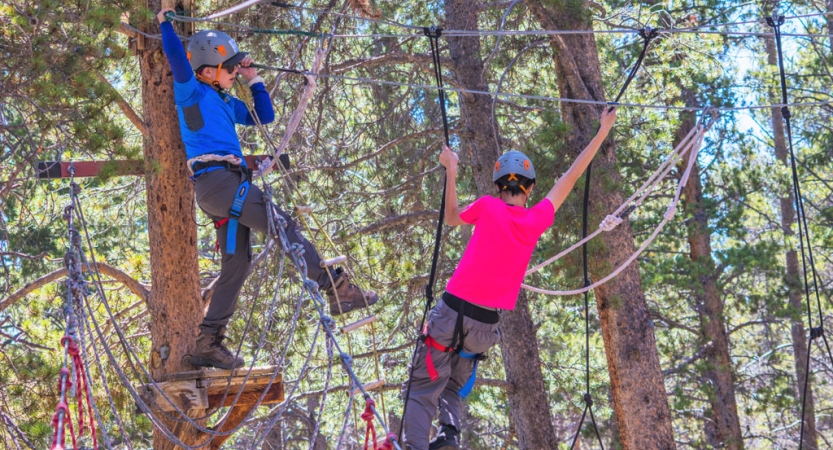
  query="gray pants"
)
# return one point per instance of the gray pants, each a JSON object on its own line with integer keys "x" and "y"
{"x": 426, "y": 395}
{"x": 215, "y": 193}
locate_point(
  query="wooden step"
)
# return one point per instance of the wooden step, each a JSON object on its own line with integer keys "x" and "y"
{"x": 370, "y": 386}
{"x": 205, "y": 388}
{"x": 303, "y": 209}
{"x": 358, "y": 324}
{"x": 333, "y": 261}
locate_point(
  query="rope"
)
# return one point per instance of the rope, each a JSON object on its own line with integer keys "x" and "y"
{"x": 803, "y": 230}
{"x": 548, "y": 98}
{"x": 647, "y": 34}
{"x": 277, "y": 231}
{"x": 142, "y": 405}
{"x": 433, "y": 33}
{"x": 75, "y": 290}
{"x": 625, "y": 209}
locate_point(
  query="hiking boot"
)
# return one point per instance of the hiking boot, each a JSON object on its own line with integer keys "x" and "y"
{"x": 448, "y": 438}
{"x": 348, "y": 295}
{"x": 211, "y": 352}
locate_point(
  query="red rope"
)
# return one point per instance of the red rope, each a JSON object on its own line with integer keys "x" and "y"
{"x": 368, "y": 417}
{"x": 81, "y": 383}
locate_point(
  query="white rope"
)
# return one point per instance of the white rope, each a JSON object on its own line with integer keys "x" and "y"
{"x": 634, "y": 200}
{"x": 231, "y": 159}
{"x": 234, "y": 9}
{"x": 694, "y": 145}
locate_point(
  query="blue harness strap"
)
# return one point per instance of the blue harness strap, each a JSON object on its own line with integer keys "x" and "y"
{"x": 466, "y": 389}
{"x": 234, "y": 214}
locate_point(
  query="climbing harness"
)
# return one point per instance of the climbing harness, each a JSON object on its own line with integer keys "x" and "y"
{"x": 433, "y": 33}
{"x": 647, "y": 34}
{"x": 803, "y": 230}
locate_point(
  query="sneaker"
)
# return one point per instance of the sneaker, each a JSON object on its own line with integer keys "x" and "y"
{"x": 211, "y": 352}
{"x": 448, "y": 438}
{"x": 348, "y": 295}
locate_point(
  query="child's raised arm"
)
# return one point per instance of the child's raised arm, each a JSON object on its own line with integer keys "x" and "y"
{"x": 449, "y": 160}
{"x": 565, "y": 184}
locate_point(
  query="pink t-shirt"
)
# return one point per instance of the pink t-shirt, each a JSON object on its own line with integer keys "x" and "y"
{"x": 493, "y": 264}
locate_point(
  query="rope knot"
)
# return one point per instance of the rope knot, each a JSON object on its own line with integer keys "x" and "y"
{"x": 367, "y": 416}
{"x": 346, "y": 359}
{"x": 669, "y": 213}
{"x": 328, "y": 322}
{"x": 311, "y": 286}
{"x": 610, "y": 222}
{"x": 816, "y": 332}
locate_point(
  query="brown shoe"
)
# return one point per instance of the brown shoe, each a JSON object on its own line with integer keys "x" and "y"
{"x": 348, "y": 295}
{"x": 211, "y": 352}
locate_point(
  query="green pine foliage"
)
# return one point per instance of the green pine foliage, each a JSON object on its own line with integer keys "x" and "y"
{"x": 365, "y": 156}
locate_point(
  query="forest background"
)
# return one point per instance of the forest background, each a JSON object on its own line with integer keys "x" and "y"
{"x": 714, "y": 313}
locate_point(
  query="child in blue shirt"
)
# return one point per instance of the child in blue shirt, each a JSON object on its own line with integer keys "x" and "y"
{"x": 207, "y": 119}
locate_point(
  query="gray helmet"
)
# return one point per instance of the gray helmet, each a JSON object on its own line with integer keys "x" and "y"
{"x": 515, "y": 162}
{"x": 212, "y": 48}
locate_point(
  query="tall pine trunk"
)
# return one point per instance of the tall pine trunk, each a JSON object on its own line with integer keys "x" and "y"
{"x": 637, "y": 385}
{"x": 174, "y": 303}
{"x": 709, "y": 307}
{"x": 794, "y": 283}
{"x": 529, "y": 409}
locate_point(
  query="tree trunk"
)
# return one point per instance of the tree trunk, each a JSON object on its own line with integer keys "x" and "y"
{"x": 709, "y": 306}
{"x": 174, "y": 303}
{"x": 637, "y": 385}
{"x": 529, "y": 409}
{"x": 794, "y": 284}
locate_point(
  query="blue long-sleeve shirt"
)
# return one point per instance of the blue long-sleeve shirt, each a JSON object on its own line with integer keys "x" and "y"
{"x": 207, "y": 116}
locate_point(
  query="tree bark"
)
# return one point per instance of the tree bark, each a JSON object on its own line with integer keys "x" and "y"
{"x": 637, "y": 385}
{"x": 709, "y": 307}
{"x": 794, "y": 284}
{"x": 529, "y": 409}
{"x": 174, "y": 302}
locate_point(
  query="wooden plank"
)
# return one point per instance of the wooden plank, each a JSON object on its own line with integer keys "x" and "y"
{"x": 358, "y": 324}
{"x": 201, "y": 389}
{"x": 185, "y": 394}
{"x": 219, "y": 385}
{"x": 121, "y": 168}
{"x": 249, "y": 396}
{"x": 206, "y": 373}
{"x": 369, "y": 386}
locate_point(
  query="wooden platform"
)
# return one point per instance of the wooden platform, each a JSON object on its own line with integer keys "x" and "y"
{"x": 204, "y": 389}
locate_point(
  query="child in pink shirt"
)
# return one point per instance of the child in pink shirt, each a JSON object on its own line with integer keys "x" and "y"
{"x": 463, "y": 325}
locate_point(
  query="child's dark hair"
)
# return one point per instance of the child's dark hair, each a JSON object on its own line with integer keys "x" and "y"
{"x": 514, "y": 184}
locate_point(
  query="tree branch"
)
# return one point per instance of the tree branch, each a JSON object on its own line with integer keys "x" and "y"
{"x": 140, "y": 290}
{"x": 394, "y": 57}
{"x": 398, "y": 221}
{"x": 697, "y": 355}
{"x": 125, "y": 107}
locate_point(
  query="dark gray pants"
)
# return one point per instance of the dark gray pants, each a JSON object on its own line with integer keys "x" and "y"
{"x": 426, "y": 395}
{"x": 215, "y": 193}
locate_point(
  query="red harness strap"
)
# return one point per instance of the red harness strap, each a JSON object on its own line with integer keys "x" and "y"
{"x": 429, "y": 361}
{"x": 217, "y": 225}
